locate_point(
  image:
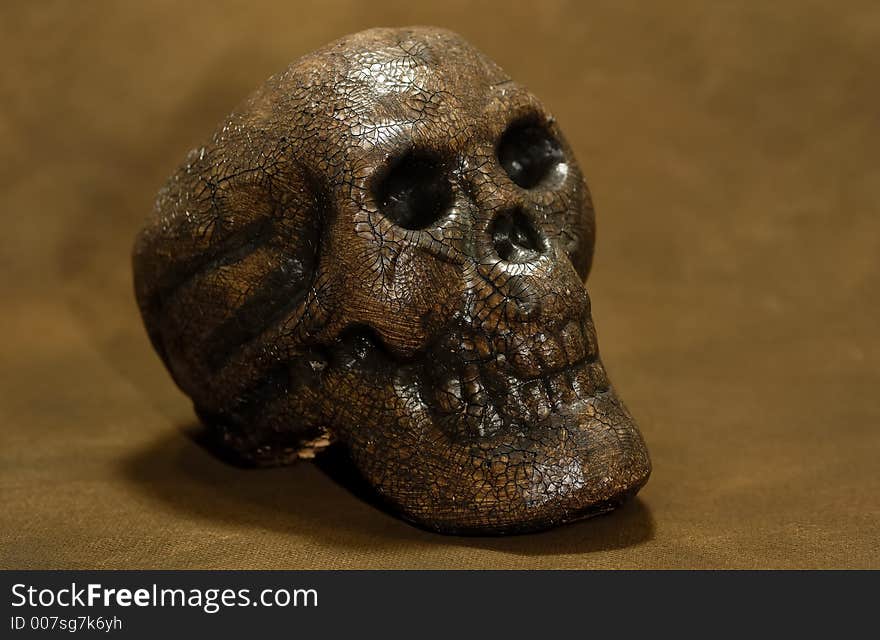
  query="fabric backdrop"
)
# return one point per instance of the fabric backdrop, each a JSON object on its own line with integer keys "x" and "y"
{"x": 732, "y": 151}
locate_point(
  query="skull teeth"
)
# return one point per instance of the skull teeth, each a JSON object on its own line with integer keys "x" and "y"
{"x": 516, "y": 403}
{"x": 520, "y": 382}
{"x": 477, "y": 385}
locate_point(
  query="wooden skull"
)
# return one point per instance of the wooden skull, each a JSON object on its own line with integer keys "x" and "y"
{"x": 386, "y": 246}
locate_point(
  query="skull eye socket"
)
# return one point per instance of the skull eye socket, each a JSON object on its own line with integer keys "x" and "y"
{"x": 415, "y": 192}
{"x": 529, "y": 153}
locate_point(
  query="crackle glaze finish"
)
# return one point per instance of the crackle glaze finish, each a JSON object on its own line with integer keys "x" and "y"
{"x": 386, "y": 246}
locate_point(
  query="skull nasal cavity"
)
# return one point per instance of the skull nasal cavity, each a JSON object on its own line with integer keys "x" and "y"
{"x": 415, "y": 191}
{"x": 515, "y": 237}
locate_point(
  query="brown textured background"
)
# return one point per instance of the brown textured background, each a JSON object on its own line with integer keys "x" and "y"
{"x": 733, "y": 150}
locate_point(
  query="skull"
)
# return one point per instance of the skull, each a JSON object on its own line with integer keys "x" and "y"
{"x": 386, "y": 246}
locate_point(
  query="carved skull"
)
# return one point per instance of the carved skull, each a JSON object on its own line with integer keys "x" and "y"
{"x": 386, "y": 246}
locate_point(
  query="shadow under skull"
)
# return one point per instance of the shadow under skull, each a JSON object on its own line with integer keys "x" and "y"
{"x": 386, "y": 246}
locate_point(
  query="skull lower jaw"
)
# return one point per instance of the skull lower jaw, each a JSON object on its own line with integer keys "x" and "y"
{"x": 505, "y": 462}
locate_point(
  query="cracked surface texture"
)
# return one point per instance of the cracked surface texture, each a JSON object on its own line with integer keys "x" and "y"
{"x": 386, "y": 246}
{"x": 731, "y": 152}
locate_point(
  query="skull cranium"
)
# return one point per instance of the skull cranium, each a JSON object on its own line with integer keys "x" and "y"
{"x": 386, "y": 246}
